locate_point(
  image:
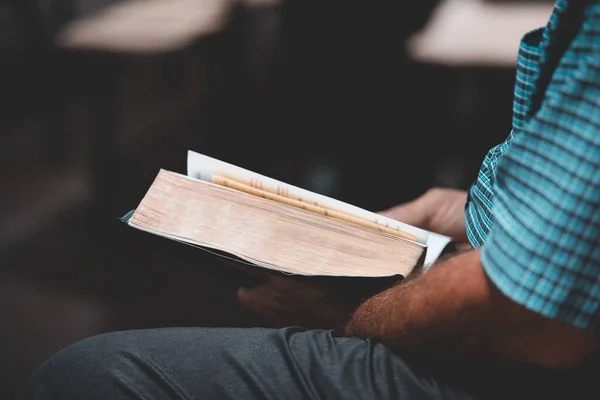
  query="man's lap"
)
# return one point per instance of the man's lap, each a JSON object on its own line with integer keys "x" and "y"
{"x": 190, "y": 363}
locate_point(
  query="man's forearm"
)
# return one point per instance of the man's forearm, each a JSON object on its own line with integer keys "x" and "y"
{"x": 431, "y": 312}
{"x": 454, "y": 310}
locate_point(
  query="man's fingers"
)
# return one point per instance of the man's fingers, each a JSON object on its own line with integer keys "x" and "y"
{"x": 261, "y": 301}
{"x": 254, "y": 298}
{"x": 409, "y": 213}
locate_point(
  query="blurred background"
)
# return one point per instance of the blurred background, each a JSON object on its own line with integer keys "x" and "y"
{"x": 369, "y": 102}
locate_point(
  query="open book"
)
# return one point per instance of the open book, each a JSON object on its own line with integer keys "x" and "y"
{"x": 277, "y": 226}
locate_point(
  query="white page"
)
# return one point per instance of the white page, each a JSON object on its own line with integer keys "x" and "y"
{"x": 203, "y": 167}
{"x": 435, "y": 245}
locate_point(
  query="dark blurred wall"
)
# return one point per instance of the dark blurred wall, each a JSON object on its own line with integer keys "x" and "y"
{"x": 340, "y": 94}
{"x": 353, "y": 94}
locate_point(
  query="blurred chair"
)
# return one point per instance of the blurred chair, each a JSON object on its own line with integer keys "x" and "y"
{"x": 103, "y": 42}
{"x": 62, "y": 64}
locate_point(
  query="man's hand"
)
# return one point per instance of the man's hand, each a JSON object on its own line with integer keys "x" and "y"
{"x": 283, "y": 301}
{"x": 286, "y": 301}
{"x": 437, "y": 210}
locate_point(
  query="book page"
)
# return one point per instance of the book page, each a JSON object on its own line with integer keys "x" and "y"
{"x": 435, "y": 245}
{"x": 203, "y": 168}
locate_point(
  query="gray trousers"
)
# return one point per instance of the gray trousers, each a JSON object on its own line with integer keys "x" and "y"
{"x": 225, "y": 363}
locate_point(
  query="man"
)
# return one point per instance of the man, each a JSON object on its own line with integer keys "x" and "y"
{"x": 517, "y": 316}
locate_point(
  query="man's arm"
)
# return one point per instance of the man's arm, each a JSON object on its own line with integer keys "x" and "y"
{"x": 453, "y": 310}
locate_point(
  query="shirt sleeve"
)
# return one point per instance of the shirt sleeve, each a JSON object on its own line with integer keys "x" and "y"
{"x": 544, "y": 249}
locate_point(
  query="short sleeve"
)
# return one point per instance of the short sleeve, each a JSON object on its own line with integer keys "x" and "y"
{"x": 544, "y": 249}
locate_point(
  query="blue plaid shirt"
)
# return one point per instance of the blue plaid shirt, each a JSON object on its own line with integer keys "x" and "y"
{"x": 535, "y": 208}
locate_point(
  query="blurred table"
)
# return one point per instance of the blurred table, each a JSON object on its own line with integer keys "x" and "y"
{"x": 145, "y": 26}
{"x": 477, "y": 32}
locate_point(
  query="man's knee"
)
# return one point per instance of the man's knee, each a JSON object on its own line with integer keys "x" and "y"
{"x": 160, "y": 363}
{"x": 91, "y": 368}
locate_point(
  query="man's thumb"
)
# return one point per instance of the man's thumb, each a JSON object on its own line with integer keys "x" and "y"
{"x": 409, "y": 213}
{"x": 254, "y": 298}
